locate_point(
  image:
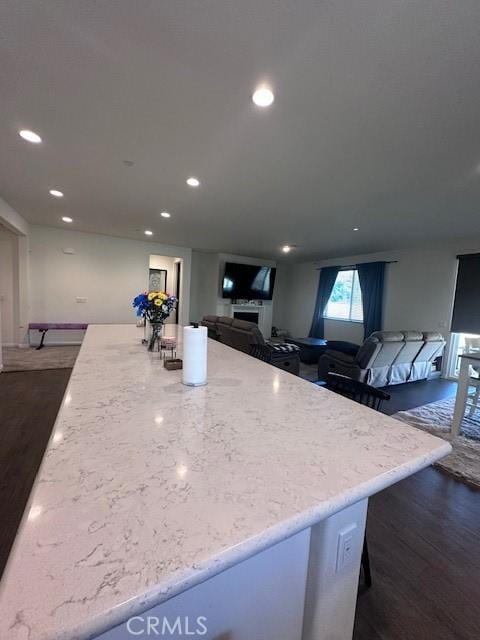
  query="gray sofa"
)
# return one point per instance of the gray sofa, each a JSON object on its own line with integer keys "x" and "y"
{"x": 247, "y": 337}
{"x": 238, "y": 334}
{"x": 386, "y": 358}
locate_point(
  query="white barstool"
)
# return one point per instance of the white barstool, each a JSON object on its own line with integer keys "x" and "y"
{"x": 472, "y": 345}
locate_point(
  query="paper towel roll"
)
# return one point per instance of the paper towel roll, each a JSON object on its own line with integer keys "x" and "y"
{"x": 194, "y": 356}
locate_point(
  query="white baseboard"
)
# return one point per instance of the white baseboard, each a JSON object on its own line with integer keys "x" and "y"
{"x": 24, "y": 345}
{"x": 54, "y": 343}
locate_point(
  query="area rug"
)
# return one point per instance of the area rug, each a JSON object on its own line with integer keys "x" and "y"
{"x": 15, "y": 359}
{"x": 464, "y": 461}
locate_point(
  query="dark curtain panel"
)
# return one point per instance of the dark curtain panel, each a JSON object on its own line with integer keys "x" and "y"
{"x": 371, "y": 276}
{"x": 328, "y": 275}
{"x": 466, "y": 308}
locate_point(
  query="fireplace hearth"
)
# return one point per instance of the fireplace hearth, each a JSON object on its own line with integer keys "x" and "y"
{"x": 248, "y": 316}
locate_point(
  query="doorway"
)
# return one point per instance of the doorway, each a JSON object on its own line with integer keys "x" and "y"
{"x": 178, "y": 277}
{"x": 8, "y": 287}
{"x": 165, "y": 274}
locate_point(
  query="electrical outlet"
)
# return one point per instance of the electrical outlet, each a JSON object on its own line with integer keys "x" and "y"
{"x": 346, "y": 546}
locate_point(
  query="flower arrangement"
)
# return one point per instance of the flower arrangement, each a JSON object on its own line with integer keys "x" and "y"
{"x": 155, "y": 306}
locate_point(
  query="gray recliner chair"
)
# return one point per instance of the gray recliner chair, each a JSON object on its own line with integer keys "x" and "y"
{"x": 386, "y": 358}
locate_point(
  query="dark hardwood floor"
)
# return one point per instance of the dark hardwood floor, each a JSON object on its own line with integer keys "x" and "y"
{"x": 424, "y": 532}
{"x": 414, "y": 394}
{"x": 424, "y": 543}
{"x": 29, "y": 402}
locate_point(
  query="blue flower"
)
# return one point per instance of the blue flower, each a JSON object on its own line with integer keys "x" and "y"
{"x": 141, "y": 303}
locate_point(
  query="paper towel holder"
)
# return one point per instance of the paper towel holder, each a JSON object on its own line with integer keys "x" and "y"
{"x": 195, "y": 371}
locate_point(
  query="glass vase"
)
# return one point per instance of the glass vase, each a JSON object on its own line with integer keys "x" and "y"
{"x": 156, "y": 332}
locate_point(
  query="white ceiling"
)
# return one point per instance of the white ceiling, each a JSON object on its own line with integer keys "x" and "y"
{"x": 376, "y": 121}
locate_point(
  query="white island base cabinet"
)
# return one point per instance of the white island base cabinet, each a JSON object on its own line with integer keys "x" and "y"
{"x": 242, "y": 502}
{"x": 302, "y": 588}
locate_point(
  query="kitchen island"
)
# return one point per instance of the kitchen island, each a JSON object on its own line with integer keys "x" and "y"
{"x": 234, "y": 510}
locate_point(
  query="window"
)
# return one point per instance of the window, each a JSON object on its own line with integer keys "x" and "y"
{"x": 346, "y": 298}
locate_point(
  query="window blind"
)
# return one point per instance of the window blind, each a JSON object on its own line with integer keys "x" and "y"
{"x": 466, "y": 307}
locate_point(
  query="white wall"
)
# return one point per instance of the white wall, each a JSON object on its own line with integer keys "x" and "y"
{"x": 108, "y": 271}
{"x": 204, "y": 287}
{"x": 280, "y": 296}
{"x": 23, "y": 289}
{"x": 419, "y": 290}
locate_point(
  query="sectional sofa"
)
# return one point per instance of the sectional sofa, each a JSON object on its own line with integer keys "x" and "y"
{"x": 247, "y": 337}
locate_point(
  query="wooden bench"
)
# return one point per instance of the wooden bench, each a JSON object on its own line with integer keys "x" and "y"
{"x": 43, "y": 327}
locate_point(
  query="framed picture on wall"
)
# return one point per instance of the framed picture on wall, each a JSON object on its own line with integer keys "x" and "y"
{"x": 157, "y": 280}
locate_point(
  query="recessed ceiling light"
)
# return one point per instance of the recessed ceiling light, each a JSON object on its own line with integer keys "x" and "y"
{"x": 355, "y": 228}
{"x": 165, "y": 214}
{"x": 67, "y": 219}
{"x": 286, "y": 248}
{"x": 263, "y": 96}
{"x": 30, "y": 136}
{"x": 56, "y": 193}
{"x": 148, "y": 232}
{"x": 193, "y": 182}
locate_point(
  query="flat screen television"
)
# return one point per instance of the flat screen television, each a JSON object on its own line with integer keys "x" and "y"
{"x": 248, "y": 281}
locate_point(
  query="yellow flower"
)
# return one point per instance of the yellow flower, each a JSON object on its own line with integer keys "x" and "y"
{"x": 163, "y": 296}
{"x": 158, "y": 302}
{"x": 152, "y": 295}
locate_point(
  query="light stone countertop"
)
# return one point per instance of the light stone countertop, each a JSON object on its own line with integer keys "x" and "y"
{"x": 148, "y": 487}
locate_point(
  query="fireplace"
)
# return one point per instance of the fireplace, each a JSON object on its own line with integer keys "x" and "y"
{"x": 251, "y": 313}
{"x": 249, "y": 316}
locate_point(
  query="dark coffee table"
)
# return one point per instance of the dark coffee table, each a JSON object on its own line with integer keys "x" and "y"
{"x": 310, "y": 348}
